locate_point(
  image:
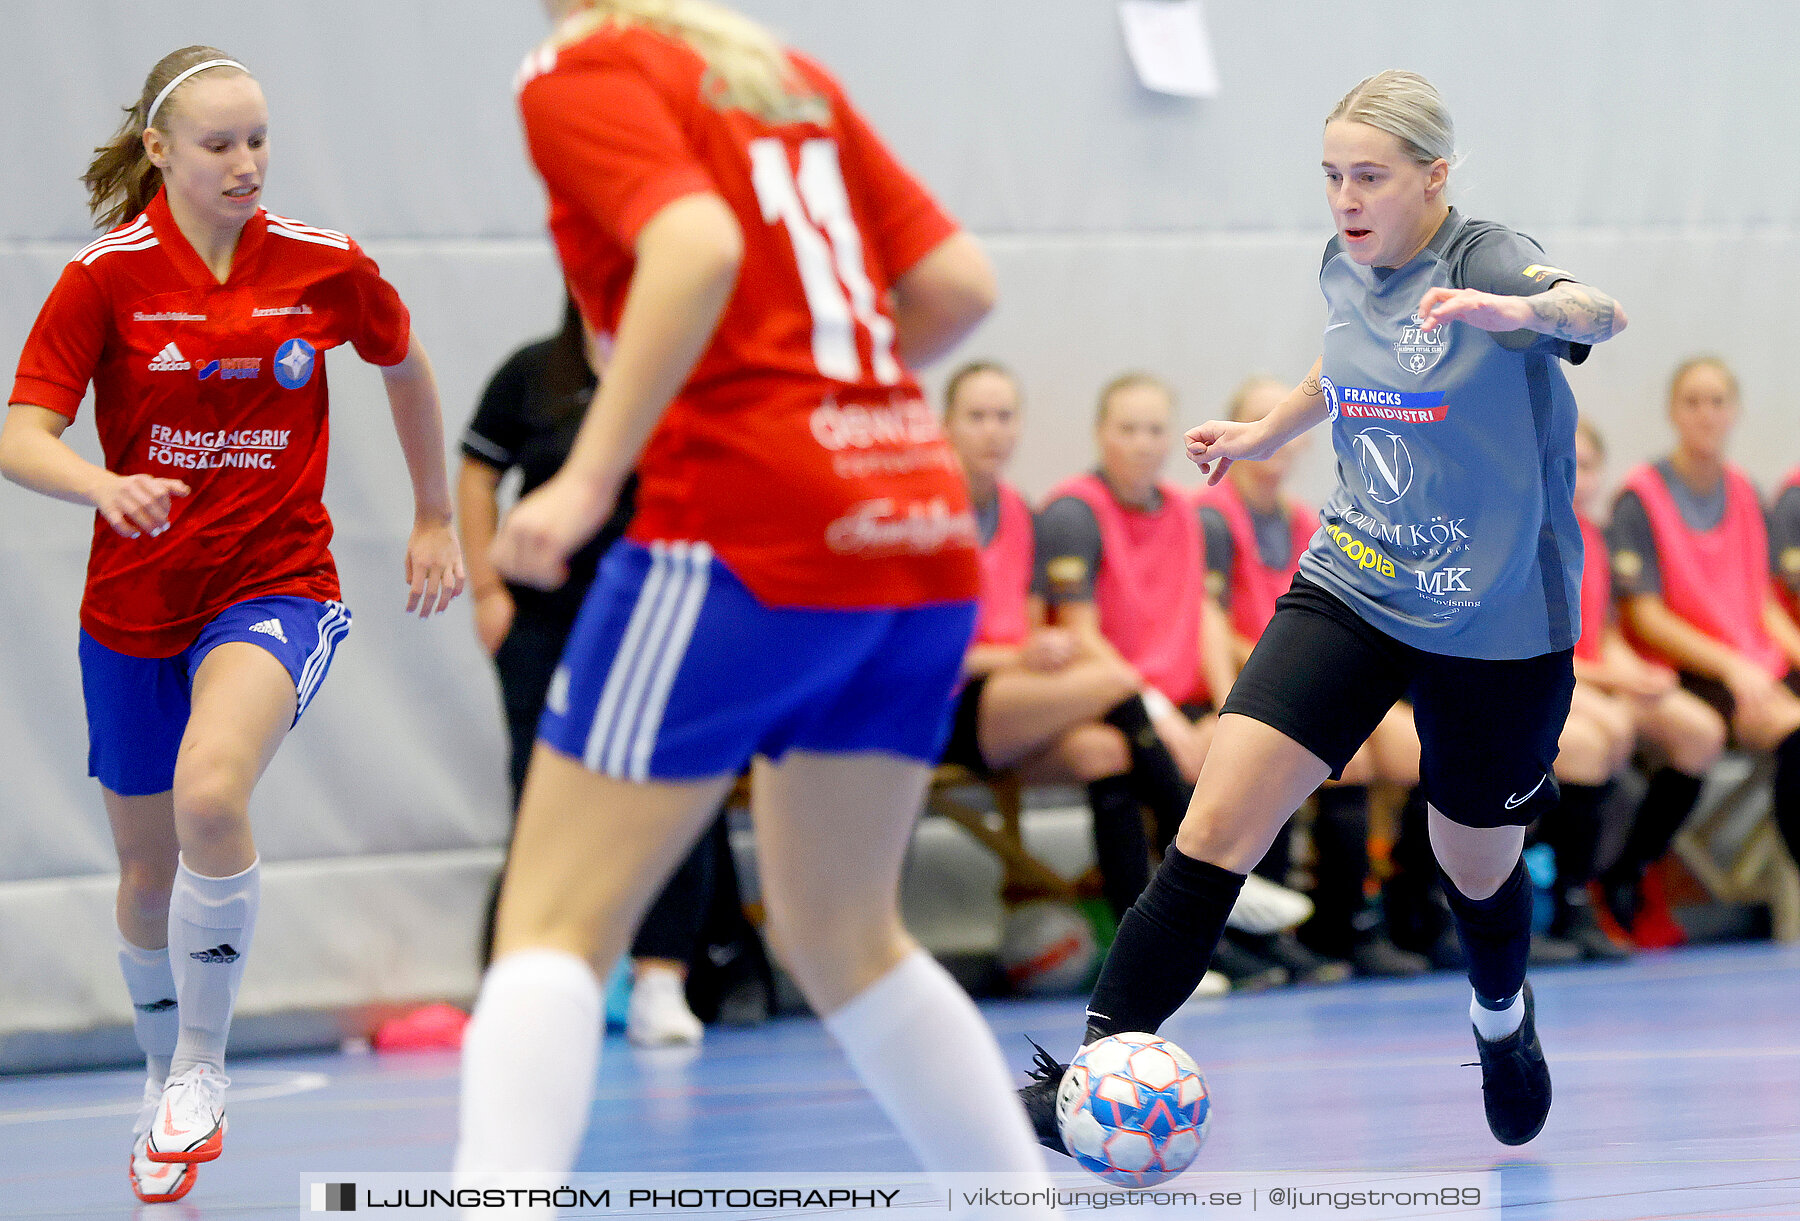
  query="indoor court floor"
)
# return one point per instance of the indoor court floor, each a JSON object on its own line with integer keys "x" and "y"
{"x": 1677, "y": 1081}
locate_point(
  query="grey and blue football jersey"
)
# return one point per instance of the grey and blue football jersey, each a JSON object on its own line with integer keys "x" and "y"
{"x": 1452, "y": 527}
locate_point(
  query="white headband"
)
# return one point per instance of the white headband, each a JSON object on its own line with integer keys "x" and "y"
{"x": 150, "y": 119}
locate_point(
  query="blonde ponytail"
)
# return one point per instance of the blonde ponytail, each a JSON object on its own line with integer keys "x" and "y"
{"x": 121, "y": 180}
{"x": 746, "y": 66}
{"x": 1408, "y": 108}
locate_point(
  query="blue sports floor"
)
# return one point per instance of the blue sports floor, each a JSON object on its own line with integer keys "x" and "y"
{"x": 1677, "y": 1082}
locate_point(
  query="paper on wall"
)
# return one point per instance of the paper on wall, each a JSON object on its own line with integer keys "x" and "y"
{"x": 1169, "y": 46}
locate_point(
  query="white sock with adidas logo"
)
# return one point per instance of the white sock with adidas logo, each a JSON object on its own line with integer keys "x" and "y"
{"x": 154, "y": 1017}
{"x": 210, "y": 924}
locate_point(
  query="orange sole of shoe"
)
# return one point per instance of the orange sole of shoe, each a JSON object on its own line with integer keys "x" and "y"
{"x": 184, "y": 1183}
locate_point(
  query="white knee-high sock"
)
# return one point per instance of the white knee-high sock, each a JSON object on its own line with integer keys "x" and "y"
{"x": 528, "y": 1062}
{"x": 919, "y": 1045}
{"x": 211, "y": 921}
{"x": 154, "y": 1015}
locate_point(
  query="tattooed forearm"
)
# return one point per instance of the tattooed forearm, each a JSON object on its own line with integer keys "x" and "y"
{"x": 1310, "y": 387}
{"x": 1577, "y": 313}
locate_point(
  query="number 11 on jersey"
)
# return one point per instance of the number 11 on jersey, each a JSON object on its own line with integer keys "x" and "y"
{"x": 828, "y": 252}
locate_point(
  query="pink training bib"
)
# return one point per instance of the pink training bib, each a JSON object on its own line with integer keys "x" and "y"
{"x": 1254, "y": 585}
{"x": 1596, "y": 590}
{"x": 1718, "y": 579}
{"x": 1006, "y": 574}
{"x": 1149, "y": 586}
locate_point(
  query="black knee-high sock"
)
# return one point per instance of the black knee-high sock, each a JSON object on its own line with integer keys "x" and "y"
{"x": 1572, "y": 830}
{"x": 1155, "y": 776}
{"x": 1496, "y": 934}
{"x": 1787, "y": 792}
{"x": 1340, "y": 865}
{"x": 1163, "y": 946}
{"x": 1121, "y": 848}
{"x": 1666, "y": 805}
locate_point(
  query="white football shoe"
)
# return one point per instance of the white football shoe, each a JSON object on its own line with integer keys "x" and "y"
{"x": 189, "y": 1125}
{"x": 658, "y": 1015}
{"x": 155, "y": 1182}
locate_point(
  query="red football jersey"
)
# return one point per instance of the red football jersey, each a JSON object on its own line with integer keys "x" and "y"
{"x": 800, "y": 448}
{"x": 221, "y": 386}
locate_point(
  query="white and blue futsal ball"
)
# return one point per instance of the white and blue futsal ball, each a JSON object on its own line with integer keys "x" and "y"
{"x": 1133, "y": 1109}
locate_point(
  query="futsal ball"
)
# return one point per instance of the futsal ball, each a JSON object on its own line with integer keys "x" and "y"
{"x": 1133, "y": 1109}
{"x": 1046, "y": 947}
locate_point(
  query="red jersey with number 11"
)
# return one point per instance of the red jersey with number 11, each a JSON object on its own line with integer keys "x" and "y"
{"x": 800, "y": 448}
{"x": 221, "y": 386}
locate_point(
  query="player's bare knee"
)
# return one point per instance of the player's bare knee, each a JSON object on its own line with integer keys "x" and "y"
{"x": 1754, "y": 733}
{"x": 1593, "y": 763}
{"x": 1475, "y": 880}
{"x": 834, "y": 959}
{"x": 1585, "y": 753}
{"x": 1210, "y": 835}
{"x": 211, "y": 804}
{"x": 144, "y": 888}
{"x": 1096, "y": 751}
{"x": 814, "y": 933}
{"x": 1122, "y": 681}
{"x": 1695, "y": 754}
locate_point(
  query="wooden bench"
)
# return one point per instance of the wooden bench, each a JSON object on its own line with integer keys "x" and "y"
{"x": 1756, "y": 868}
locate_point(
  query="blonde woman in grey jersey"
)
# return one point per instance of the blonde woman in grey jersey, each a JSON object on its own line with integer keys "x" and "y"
{"x": 1447, "y": 571}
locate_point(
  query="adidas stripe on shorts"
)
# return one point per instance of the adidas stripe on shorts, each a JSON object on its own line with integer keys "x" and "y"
{"x": 674, "y": 671}
{"x": 137, "y": 707}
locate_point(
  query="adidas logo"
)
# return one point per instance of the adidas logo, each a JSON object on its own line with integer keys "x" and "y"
{"x": 169, "y": 360}
{"x": 161, "y": 1006}
{"x": 219, "y": 953}
{"x": 270, "y": 627}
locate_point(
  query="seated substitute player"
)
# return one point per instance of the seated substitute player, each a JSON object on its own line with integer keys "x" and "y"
{"x": 1255, "y": 535}
{"x": 211, "y": 612}
{"x": 1441, "y": 378}
{"x": 1620, "y": 700}
{"x": 1120, "y": 563}
{"x": 1033, "y": 700}
{"x": 1690, "y": 561}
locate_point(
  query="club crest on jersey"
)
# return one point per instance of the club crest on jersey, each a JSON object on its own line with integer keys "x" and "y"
{"x": 1386, "y": 464}
{"x": 1328, "y": 388}
{"x": 1417, "y": 350}
{"x": 294, "y": 364}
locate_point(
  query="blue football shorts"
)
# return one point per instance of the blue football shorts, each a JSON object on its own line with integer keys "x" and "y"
{"x": 675, "y": 671}
{"x": 138, "y": 707}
